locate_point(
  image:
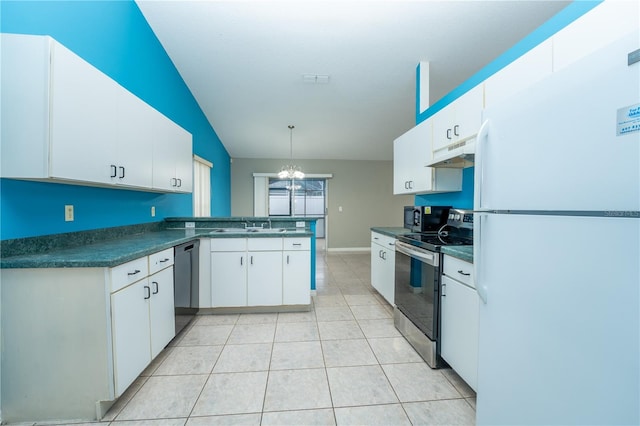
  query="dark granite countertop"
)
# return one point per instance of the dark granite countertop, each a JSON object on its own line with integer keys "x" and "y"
{"x": 390, "y": 231}
{"x": 115, "y": 251}
{"x": 461, "y": 252}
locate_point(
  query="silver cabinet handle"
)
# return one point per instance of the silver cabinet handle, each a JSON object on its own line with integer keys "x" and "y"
{"x": 466, "y": 274}
{"x": 137, "y": 271}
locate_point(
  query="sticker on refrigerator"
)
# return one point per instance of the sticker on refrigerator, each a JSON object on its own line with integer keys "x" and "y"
{"x": 628, "y": 120}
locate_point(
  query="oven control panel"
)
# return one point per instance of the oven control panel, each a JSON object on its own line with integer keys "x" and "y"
{"x": 460, "y": 218}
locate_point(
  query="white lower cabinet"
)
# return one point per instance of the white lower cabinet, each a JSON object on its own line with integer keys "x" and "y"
{"x": 228, "y": 279}
{"x": 296, "y": 271}
{"x": 383, "y": 264}
{"x": 255, "y": 272}
{"x": 459, "y": 319}
{"x": 131, "y": 327}
{"x": 161, "y": 310}
{"x": 99, "y": 328}
{"x": 142, "y": 321}
{"x": 264, "y": 278}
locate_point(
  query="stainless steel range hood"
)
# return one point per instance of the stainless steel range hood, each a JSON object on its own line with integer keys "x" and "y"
{"x": 458, "y": 155}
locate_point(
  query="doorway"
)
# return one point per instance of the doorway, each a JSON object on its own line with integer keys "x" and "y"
{"x": 299, "y": 197}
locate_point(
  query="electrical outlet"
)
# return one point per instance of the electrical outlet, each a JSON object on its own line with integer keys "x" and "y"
{"x": 153, "y": 211}
{"x": 189, "y": 224}
{"x": 300, "y": 224}
{"x": 68, "y": 213}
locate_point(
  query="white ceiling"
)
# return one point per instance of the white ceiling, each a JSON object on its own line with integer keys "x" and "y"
{"x": 243, "y": 61}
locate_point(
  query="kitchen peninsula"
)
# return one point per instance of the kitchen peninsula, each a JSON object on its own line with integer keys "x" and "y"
{"x": 84, "y": 313}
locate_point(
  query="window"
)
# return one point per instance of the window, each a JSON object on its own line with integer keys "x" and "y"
{"x": 201, "y": 187}
{"x": 305, "y": 197}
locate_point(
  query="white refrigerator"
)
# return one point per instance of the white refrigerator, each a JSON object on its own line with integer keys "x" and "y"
{"x": 557, "y": 248}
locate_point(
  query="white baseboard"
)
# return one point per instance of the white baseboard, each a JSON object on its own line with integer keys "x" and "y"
{"x": 350, "y": 249}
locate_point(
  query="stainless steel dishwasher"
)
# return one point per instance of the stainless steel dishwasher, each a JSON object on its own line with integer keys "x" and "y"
{"x": 186, "y": 282}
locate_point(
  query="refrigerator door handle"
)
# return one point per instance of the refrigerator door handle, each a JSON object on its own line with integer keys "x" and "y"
{"x": 478, "y": 160}
{"x": 477, "y": 254}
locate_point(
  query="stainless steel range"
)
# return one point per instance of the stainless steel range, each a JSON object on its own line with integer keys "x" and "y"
{"x": 417, "y": 282}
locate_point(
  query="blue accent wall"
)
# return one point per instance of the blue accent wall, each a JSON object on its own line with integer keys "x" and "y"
{"x": 461, "y": 200}
{"x": 114, "y": 37}
{"x": 464, "y": 199}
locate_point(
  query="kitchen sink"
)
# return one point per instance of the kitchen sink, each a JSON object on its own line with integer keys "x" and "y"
{"x": 249, "y": 230}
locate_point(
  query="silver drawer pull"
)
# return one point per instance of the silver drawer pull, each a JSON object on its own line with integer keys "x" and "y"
{"x": 297, "y": 244}
{"x": 137, "y": 271}
{"x": 466, "y": 274}
{"x": 164, "y": 260}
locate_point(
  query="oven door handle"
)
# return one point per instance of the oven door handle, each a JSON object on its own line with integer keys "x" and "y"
{"x": 427, "y": 257}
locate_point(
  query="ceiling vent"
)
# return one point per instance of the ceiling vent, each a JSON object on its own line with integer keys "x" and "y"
{"x": 315, "y": 78}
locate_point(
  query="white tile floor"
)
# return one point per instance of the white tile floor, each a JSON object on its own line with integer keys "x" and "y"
{"x": 342, "y": 363}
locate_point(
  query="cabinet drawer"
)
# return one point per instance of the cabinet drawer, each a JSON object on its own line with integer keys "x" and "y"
{"x": 264, "y": 244}
{"x": 160, "y": 260}
{"x": 383, "y": 240}
{"x": 228, "y": 244}
{"x": 127, "y": 273}
{"x": 297, "y": 243}
{"x": 459, "y": 270}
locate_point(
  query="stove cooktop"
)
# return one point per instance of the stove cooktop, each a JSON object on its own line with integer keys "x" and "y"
{"x": 433, "y": 241}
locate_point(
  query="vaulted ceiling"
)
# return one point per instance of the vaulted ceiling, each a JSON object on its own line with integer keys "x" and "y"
{"x": 248, "y": 64}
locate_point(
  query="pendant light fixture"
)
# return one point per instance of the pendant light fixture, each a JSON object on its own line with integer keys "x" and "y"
{"x": 291, "y": 171}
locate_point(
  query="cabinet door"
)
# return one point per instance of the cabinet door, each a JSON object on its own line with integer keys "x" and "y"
{"x": 443, "y": 127}
{"x": 83, "y": 114}
{"x": 228, "y": 279}
{"x": 468, "y": 113}
{"x": 296, "y": 277}
{"x": 411, "y": 154}
{"x": 130, "y": 327}
{"x": 161, "y": 310}
{"x": 134, "y": 121}
{"x": 183, "y": 160}
{"x": 172, "y": 156}
{"x": 383, "y": 271}
{"x": 264, "y": 278}
{"x": 459, "y": 120}
{"x": 459, "y": 340}
{"x": 387, "y": 284}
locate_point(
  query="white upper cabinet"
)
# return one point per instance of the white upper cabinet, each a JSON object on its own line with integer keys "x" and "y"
{"x": 64, "y": 120}
{"x": 458, "y": 121}
{"x": 81, "y": 131}
{"x": 528, "y": 69}
{"x": 411, "y": 154}
{"x": 172, "y": 158}
{"x": 133, "y": 163}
